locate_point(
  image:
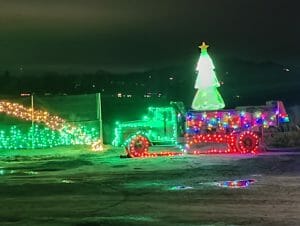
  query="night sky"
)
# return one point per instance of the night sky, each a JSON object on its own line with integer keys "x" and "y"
{"x": 133, "y": 35}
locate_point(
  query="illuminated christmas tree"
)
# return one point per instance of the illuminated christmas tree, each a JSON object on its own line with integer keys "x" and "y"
{"x": 207, "y": 96}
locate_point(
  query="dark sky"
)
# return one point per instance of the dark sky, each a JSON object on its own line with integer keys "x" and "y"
{"x": 142, "y": 34}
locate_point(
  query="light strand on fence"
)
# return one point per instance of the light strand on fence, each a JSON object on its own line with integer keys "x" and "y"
{"x": 51, "y": 121}
{"x": 28, "y": 114}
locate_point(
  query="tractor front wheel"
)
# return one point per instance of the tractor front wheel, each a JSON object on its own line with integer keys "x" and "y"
{"x": 138, "y": 146}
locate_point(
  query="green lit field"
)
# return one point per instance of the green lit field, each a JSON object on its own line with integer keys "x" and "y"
{"x": 74, "y": 186}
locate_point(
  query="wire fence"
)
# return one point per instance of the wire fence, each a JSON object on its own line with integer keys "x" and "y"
{"x": 81, "y": 115}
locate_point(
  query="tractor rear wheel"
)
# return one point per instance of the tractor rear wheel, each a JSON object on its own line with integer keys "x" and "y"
{"x": 247, "y": 142}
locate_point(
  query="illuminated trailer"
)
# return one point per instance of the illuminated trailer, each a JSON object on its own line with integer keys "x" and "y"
{"x": 240, "y": 128}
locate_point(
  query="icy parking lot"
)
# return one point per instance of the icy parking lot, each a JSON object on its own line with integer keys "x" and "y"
{"x": 64, "y": 186}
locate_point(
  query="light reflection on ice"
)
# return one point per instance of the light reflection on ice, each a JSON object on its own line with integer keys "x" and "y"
{"x": 66, "y": 181}
{"x": 16, "y": 172}
{"x": 236, "y": 183}
{"x": 181, "y": 187}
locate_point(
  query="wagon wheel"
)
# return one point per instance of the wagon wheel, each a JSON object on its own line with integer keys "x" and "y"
{"x": 247, "y": 142}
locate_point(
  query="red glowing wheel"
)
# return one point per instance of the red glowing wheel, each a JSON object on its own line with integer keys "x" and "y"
{"x": 247, "y": 142}
{"x": 138, "y": 146}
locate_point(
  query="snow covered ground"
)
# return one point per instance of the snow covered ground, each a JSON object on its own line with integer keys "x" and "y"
{"x": 74, "y": 186}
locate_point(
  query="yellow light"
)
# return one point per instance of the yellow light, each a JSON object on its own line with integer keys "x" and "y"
{"x": 98, "y": 146}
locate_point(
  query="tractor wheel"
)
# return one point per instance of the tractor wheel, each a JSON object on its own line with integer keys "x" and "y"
{"x": 138, "y": 146}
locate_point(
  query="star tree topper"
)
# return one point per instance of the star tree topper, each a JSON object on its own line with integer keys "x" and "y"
{"x": 203, "y": 47}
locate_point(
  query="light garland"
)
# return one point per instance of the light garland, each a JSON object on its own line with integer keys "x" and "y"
{"x": 28, "y": 114}
{"x": 229, "y": 120}
{"x": 272, "y": 114}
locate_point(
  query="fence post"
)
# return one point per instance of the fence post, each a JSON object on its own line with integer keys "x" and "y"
{"x": 32, "y": 121}
{"x": 99, "y": 116}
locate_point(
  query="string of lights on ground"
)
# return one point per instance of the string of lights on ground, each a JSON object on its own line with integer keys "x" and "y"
{"x": 138, "y": 146}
